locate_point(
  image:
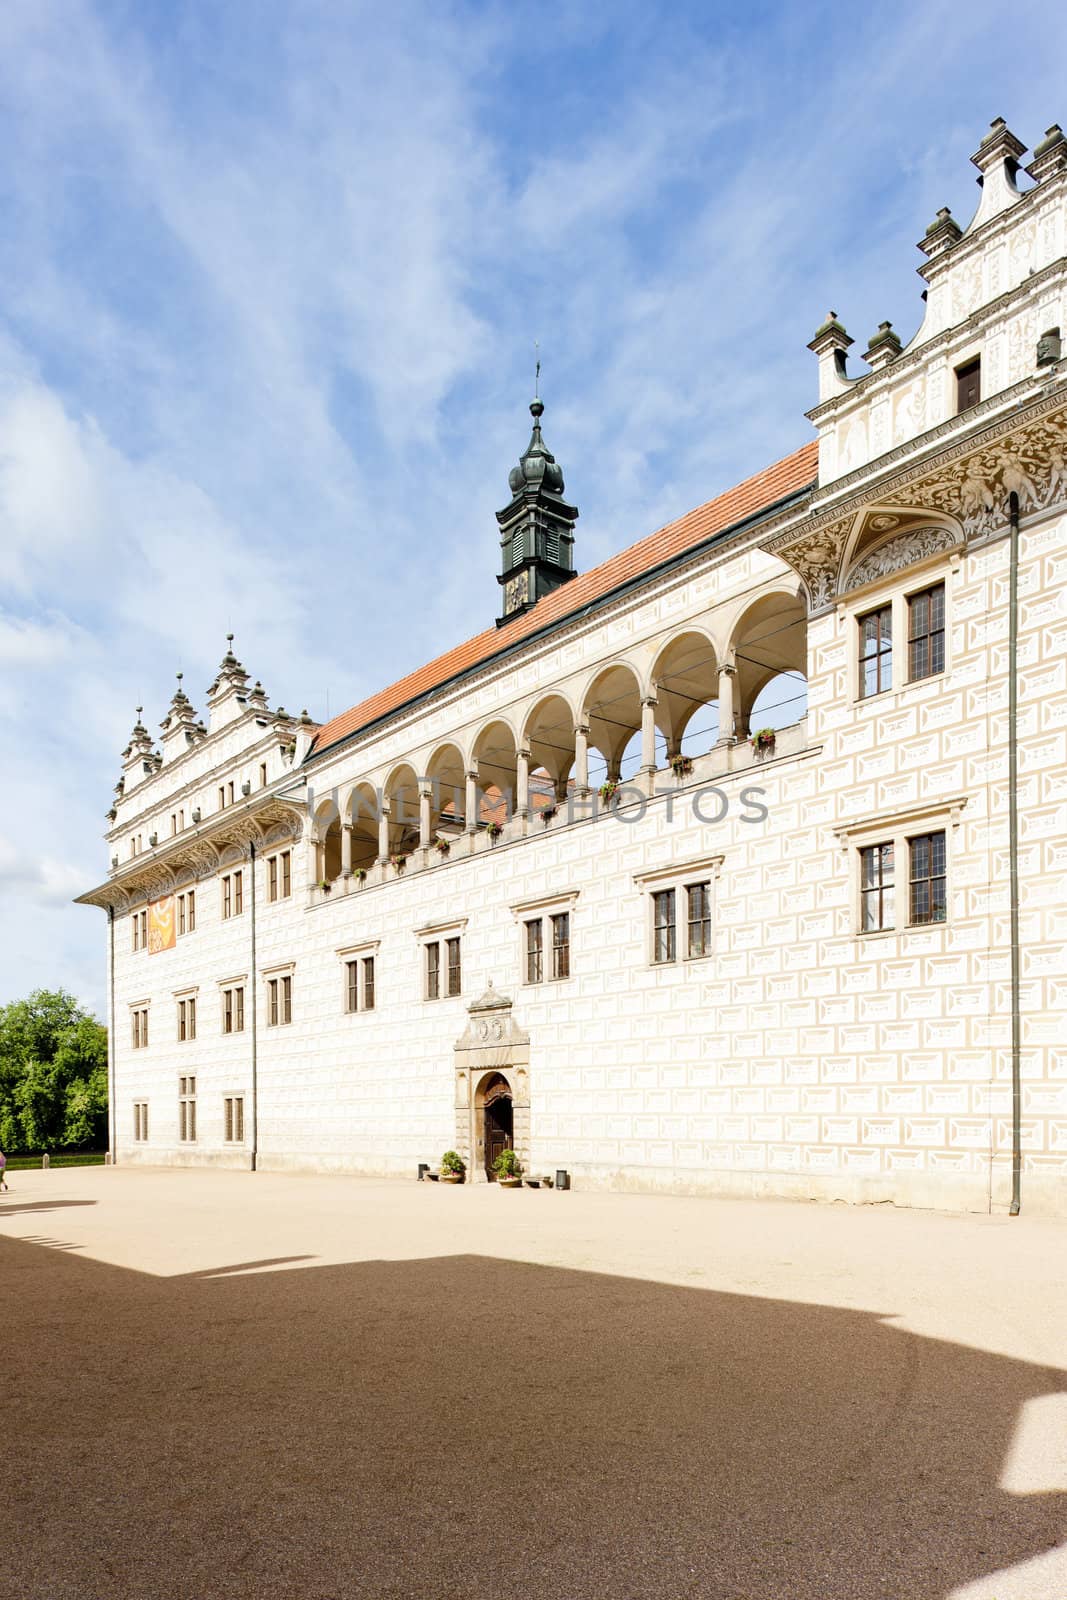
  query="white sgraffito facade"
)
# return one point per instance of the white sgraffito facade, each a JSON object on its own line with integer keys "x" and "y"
{"x": 727, "y": 1005}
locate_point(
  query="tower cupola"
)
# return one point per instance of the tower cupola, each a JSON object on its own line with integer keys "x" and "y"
{"x": 536, "y": 527}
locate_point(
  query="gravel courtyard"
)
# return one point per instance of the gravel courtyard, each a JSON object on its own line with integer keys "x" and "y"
{"x": 224, "y": 1384}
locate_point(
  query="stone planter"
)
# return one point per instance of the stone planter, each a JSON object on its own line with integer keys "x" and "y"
{"x": 510, "y": 1183}
{"x": 450, "y": 1177}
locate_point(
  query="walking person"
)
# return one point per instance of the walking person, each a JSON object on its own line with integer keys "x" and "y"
{"x": 3, "y": 1172}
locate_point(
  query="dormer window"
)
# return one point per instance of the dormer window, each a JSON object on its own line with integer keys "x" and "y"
{"x": 969, "y": 384}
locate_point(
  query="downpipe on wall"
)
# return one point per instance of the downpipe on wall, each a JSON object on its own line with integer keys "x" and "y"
{"x": 253, "y": 990}
{"x": 1013, "y": 856}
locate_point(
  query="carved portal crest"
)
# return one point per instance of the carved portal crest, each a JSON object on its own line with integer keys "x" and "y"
{"x": 902, "y": 551}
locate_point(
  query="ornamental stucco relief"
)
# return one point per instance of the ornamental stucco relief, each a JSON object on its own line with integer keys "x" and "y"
{"x": 903, "y": 551}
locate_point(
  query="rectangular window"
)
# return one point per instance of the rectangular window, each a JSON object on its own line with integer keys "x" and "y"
{"x": 140, "y": 1120}
{"x": 561, "y": 945}
{"x": 876, "y": 652}
{"x": 534, "y": 955}
{"x": 262, "y": 774}
{"x": 433, "y": 971}
{"x": 186, "y": 1020}
{"x": 233, "y": 1119}
{"x": 279, "y": 1001}
{"x": 140, "y": 930}
{"x": 280, "y": 875}
{"x": 969, "y": 384}
{"x": 139, "y": 1027}
{"x": 663, "y": 941}
{"x": 187, "y": 912}
{"x": 187, "y": 1110}
{"x": 173, "y": 822}
{"x": 232, "y": 894}
{"x": 229, "y": 793}
{"x": 181, "y": 915}
{"x": 359, "y": 984}
{"x": 926, "y": 632}
{"x": 876, "y": 888}
{"x": 928, "y": 878}
{"x": 454, "y": 974}
{"x": 233, "y": 1009}
{"x": 699, "y": 905}
{"x": 222, "y": 797}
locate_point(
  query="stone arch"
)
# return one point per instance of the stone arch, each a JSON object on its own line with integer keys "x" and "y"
{"x": 360, "y": 814}
{"x": 495, "y": 758}
{"x": 611, "y": 709}
{"x": 401, "y": 795}
{"x": 769, "y": 648}
{"x": 548, "y": 734}
{"x": 492, "y": 1050}
{"x": 446, "y": 773}
{"x": 326, "y": 840}
{"x": 685, "y": 676}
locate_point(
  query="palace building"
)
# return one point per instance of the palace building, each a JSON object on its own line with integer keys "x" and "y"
{"x": 737, "y": 864}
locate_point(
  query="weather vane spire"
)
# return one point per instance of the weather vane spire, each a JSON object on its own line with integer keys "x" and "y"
{"x": 537, "y": 369}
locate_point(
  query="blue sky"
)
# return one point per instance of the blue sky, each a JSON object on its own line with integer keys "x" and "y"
{"x": 270, "y": 280}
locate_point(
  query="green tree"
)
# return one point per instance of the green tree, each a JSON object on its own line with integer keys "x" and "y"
{"x": 53, "y": 1074}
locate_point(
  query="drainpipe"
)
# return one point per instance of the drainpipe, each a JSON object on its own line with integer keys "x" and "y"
{"x": 1013, "y": 856}
{"x": 111, "y": 1033}
{"x": 254, "y": 998}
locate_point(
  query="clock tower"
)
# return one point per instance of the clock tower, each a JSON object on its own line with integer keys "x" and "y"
{"x": 536, "y": 528}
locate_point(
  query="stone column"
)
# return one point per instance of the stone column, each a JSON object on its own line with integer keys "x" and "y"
{"x": 346, "y": 849}
{"x": 316, "y": 859}
{"x": 470, "y": 802}
{"x": 383, "y": 833}
{"x": 425, "y": 794}
{"x": 522, "y": 784}
{"x": 727, "y": 674}
{"x": 648, "y": 734}
{"x": 581, "y": 758}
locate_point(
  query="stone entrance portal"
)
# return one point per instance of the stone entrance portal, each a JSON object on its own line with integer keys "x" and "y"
{"x": 492, "y": 1086}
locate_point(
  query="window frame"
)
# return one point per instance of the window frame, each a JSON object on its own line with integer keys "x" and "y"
{"x": 897, "y": 591}
{"x": 546, "y": 912}
{"x": 278, "y": 988}
{"x": 679, "y": 880}
{"x": 930, "y": 633}
{"x": 233, "y": 1119}
{"x": 883, "y": 615}
{"x": 140, "y": 1122}
{"x": 963, "y": 372}
{"x": 139, "y": 1024}
{"x": 442, "y": 936}
{"x": 899, "y": 829}
{"x": 187, "y": 1108}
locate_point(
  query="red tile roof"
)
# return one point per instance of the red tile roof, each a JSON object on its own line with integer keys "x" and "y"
{"x": 788, "y": 476}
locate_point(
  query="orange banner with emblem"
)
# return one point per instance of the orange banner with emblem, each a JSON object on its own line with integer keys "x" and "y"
{"x": 161, "y": 925}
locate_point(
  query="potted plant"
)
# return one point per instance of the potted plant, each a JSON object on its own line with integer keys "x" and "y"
{"x": 681, "y": 766}
{"x": 442, "y": 846}
{"x": 608, "y": 790}
{"x": 508, "y": 1170}
{"x": 360, "y": 874}
{"x": 325, "y": 886}
{"x": 452, "y": 1167}
{"x": 398, "y": 862}
{"x": 547, "y": 813}
{"x": 762, "y": 741}
{"x": 494, "y": 830}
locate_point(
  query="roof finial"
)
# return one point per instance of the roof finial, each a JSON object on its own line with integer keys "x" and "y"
{"x": 229, "y": 638}
{"x": 180, "y": 676}
{"x": 139, "y": 710}
{"x": 537, "y": 369}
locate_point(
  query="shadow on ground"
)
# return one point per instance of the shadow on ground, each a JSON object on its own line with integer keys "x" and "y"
{"x": 473, "y": 1427}
{"x": 15, "y": 1208}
